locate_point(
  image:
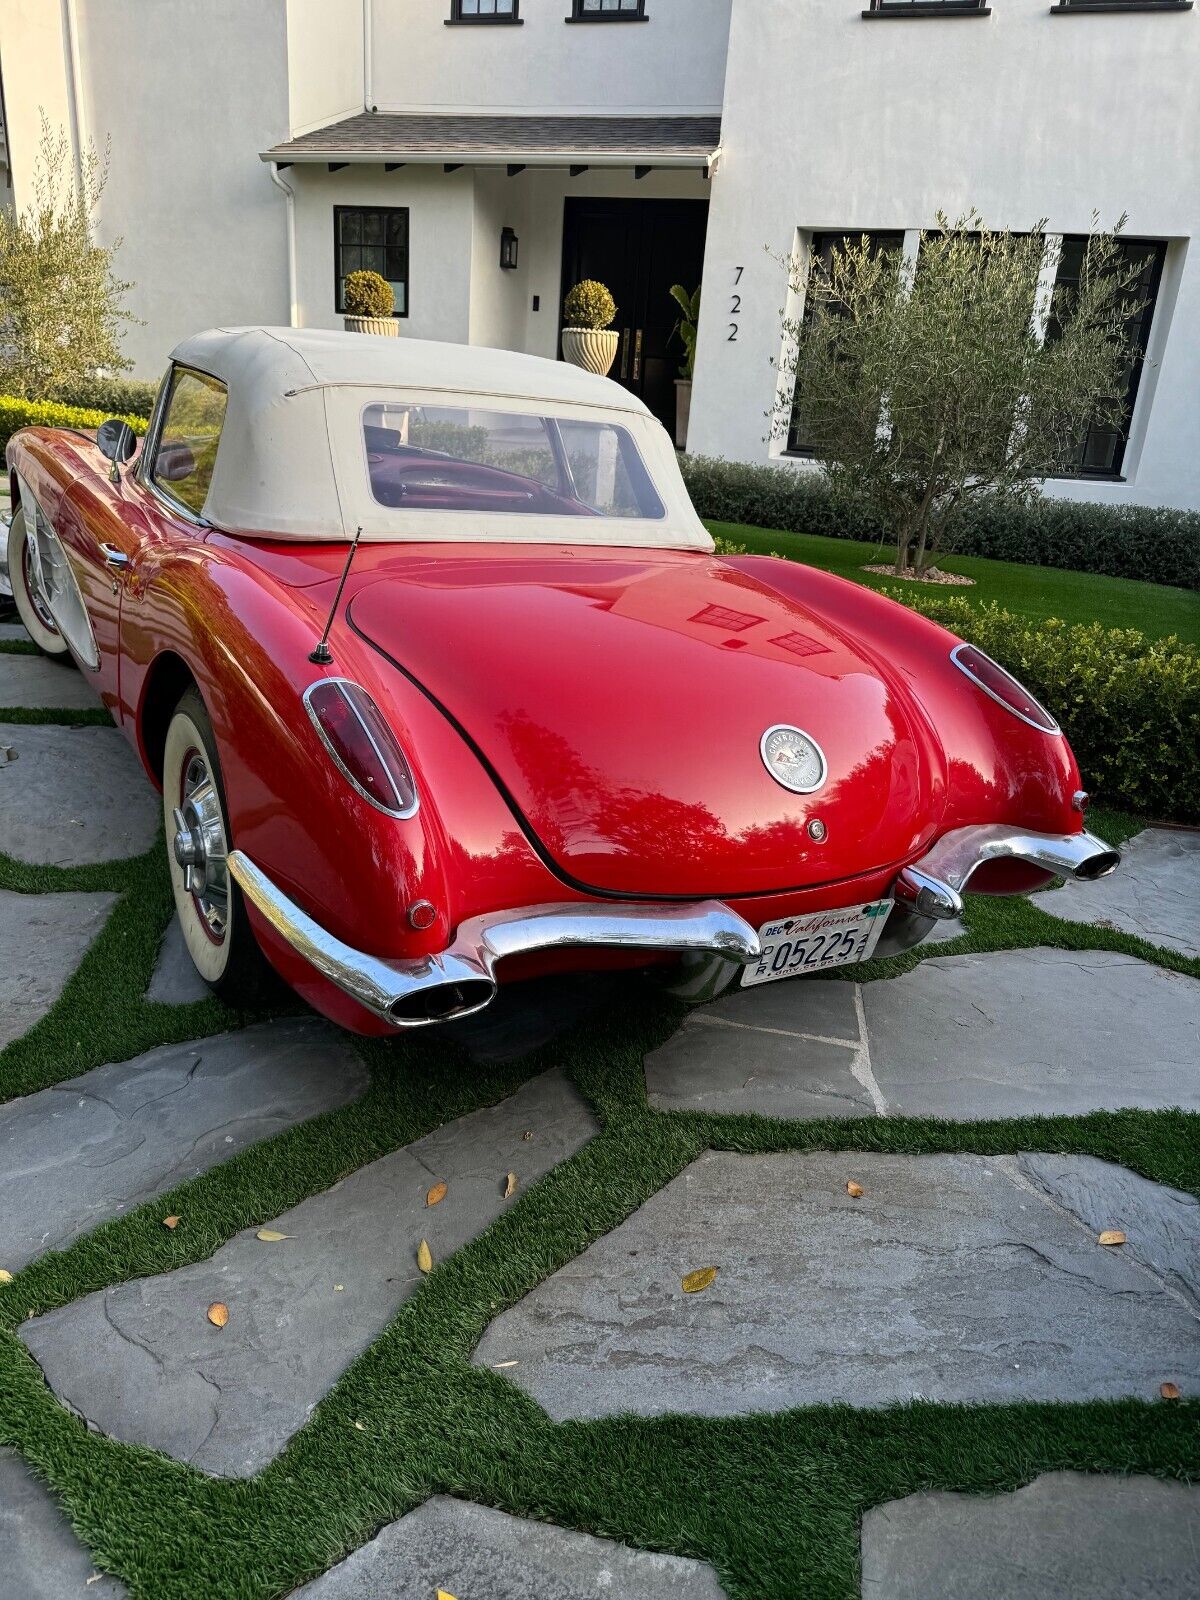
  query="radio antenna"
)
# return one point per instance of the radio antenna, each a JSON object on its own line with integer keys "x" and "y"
{"x": 323, "y": 655}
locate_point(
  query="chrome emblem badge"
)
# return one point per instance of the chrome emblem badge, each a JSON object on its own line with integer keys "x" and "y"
{"x": 793, "y": 759}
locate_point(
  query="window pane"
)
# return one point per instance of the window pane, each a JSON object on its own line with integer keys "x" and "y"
{"x": 801, "y": 437}
{"x": 380, "y": 244}
{"x": 462, "y": 458}
{"x": 191, "y": 431}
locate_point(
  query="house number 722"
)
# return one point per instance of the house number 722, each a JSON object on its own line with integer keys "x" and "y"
{"x": 735, "y": 306}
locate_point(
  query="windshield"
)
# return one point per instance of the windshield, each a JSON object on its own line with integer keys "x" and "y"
{"x": 461, "y": 458}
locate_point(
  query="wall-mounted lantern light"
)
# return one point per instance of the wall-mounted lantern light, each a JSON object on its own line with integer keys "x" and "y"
{"x": 509, "y": 245}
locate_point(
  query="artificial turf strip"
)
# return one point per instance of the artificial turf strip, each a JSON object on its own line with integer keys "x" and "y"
{"x": 62, "y": 716}
{"x": 773, "y": 1502}
{"x": 1155, "y": 609}
{"x": 18, "y": 647}
{"x": 102, "y": 1014}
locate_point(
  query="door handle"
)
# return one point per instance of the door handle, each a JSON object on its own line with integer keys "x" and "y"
{"x": 114, "y": 559}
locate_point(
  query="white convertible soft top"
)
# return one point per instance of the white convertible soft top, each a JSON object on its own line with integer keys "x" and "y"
{"x": 292, "y": 460}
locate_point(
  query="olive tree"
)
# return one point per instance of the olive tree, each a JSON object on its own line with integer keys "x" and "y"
{"x": 61, "y": 302}
{"x": 922, "y": 384}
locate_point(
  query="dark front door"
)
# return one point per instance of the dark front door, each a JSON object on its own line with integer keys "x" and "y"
{"x": 640, "y": 248}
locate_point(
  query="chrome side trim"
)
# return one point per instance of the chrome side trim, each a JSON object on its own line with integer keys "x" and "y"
{"x": 945, "y": 871}
{"x": 393, "y": 989}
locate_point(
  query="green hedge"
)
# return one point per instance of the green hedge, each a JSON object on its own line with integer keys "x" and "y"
{"x": 116, "y": 397}
{"x": 1156, "y": 545}
{"x": 1129, "y": 705}
{"x": 15, "y": 414}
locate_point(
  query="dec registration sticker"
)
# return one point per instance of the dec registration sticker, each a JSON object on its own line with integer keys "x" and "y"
{"x": 817, "y": 942}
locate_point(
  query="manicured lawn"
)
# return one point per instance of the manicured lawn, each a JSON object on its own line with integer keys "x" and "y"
{"x": 1037, "y": 592}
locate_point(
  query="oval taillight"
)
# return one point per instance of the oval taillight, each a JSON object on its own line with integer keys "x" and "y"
{"x": 362, "y": 745}
{"x": 1002, "y": 687}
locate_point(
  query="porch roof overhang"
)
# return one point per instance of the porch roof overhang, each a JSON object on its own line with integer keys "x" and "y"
{"x": 398, "y": 139}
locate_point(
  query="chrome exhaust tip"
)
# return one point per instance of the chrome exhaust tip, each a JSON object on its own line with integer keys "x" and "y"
{"x": 1100, "y": 865}
{"x": 441, "y": 1002}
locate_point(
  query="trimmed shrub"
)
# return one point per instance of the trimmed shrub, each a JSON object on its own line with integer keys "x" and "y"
{"x": 16, "y": 414}
{"x": 1129, "y": 705}
{"x": 116, "y": 397}
{"x": 589, "y": 305}
{"x": 1145, "y": 542}
{"x": 368, "y": 294}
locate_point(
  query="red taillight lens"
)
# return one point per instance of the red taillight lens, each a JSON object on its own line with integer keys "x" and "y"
{"x": 363, "y": 746}
{"x": 989, "y": 676}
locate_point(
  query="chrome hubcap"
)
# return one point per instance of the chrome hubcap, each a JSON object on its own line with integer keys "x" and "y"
{"x": 33, "y": 589}
{"x": 199, "y": 846}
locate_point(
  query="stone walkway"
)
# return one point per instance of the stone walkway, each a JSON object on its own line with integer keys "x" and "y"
{"x": 1155, "y": 894}
{"x": 953, "y": 1277}
{"x": 1066, "y": 1536}
{"x": 72, "y": 796}
{"x": 963, "y": 1037}
{"x": 485, "y": 1555}
{"x": 142, "y": 1363}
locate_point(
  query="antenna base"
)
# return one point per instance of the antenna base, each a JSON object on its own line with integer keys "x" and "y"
{"x": 322, "y": 655}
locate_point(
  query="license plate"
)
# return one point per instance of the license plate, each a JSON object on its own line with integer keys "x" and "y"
{"x": 817, "y": 942}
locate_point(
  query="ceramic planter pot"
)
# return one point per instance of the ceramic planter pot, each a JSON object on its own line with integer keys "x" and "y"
{"x": 683, "y": 411}
{"x": 387, "y": 326}
{"x": 594, "y": 349}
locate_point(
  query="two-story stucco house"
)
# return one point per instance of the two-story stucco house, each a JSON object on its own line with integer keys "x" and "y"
{"x": 486, "y": 154}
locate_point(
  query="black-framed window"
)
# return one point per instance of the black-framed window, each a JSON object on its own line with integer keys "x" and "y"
{"x": 1061, "y": 6}
{"x": 927, "y": 8}
{"x": 800, "y": 442}
{"x": 371, "y": 239}
{"x": 485, "y": 10}
{"x": 1102, "y": 449}
{"x": 607, "y": 11}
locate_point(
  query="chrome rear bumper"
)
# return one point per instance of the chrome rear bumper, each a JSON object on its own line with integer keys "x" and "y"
{"x": 933, "y": 886}
{"x": 461, "y": 979}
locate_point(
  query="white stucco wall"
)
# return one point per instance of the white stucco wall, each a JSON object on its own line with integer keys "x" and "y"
{"x": 674, "y": 62}
{"x": 1024, "y": 115}
{"x": 201, "y": 225}
{"x": 324, "y": 62}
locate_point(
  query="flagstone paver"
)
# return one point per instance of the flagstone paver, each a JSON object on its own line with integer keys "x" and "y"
{"x": 954, "y": 1278}
{"x": 36, "y": 681}
{"x": 1034, "y": 1033}
{"x": 40, "y": 1557}
{"x": 73, "y": 796}
{"x": 1155, "y": 893}
{"x": 12, "y": 630}
{"x": 470, "y": 1550}
{"x": 97, "y": 1145}
{"x": 43, "y": 938}
{"x": 1016, "y": 1033}
{"x": 786, "y": 1050}
{"x": 141, "y": 1362}
{"x": 175, "y": 981}
{"x": 1066, "y": 1536}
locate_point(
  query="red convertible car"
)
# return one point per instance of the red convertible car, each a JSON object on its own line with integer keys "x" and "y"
{"x": 444, "y": 686}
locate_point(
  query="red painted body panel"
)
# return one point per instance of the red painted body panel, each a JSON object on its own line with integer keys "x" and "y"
{"x": 581, "y": 724}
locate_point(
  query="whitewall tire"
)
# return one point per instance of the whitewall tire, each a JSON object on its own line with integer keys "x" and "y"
{"x": 31, "y": 608}
{"x": 208, "y": 903}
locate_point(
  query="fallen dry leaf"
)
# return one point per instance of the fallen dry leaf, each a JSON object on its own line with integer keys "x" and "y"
{"x": 527, "y": 1136}
{"x": 436, "y": 1195}
{"x": 444, "y": 1594}
{"x": 1111, "y": 1236}
{"x": 361, "y": 1426}
{"x": 5, "y": 1277}
{"x": 218, "y": 1314}
{"x": 339, "y": 1288}
{"x": 424, "y": 1256}
{"x": 95, "y": 1578}
{"x": 696, "y": 1282}
{"x": 503, "y": 1366}
{"x": 510, "y": 1186}
{"x": 171, "y": 1222}
{"x": 270, "y": 1236}
{"x": 855, "y": 1190}
{"x": 1169, "y": 1391}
